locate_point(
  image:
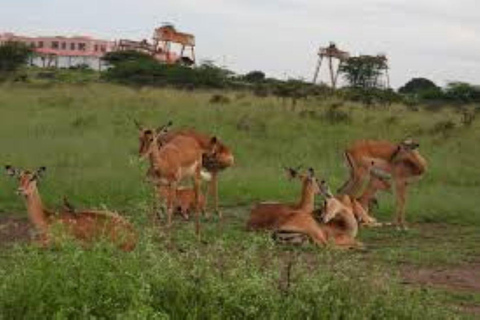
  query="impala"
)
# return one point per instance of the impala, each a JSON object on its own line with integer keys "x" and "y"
{"x": 86, "y": 225}
{"x": 401, "y": 163}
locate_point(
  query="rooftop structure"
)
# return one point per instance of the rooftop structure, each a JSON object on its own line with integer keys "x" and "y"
{"x": 164, "y": 40}
{"x": 52, "y": 50}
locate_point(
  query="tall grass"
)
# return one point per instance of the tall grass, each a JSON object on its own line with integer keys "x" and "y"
{"x": 86, "y": 137}
{"x": 221, "y": 280}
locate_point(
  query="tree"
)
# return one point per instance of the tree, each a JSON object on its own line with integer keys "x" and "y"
{"x": 363, "y": 71}
{"x": 418, "y": 85}
{"x": 13, "y": 55}
{"x": 462, "y": 92}
{"x": 255, "y": 76}
{"x": 117, "y": 57}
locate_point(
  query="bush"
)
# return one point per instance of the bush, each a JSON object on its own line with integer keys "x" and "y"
{"x": 462, "y": 92}
{"x": 116, "y": 58}
{"x": 443, "y": 127}
{"x": 220, "y": 99}
{"x": 254, "y": 77}
{"x": 219, "y": 283}
{"x": 13, "y": 55}
{"x": 335, "y": 115}
{"x": 419, "y": 86}
{"x": 141, "y": 69}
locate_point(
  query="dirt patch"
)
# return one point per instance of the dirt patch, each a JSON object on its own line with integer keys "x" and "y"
{"x": 464, "y": 278}
{"x": 14, "y": 230}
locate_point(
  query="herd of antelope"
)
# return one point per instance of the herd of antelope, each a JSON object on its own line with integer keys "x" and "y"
{"x": 177, "y": 155}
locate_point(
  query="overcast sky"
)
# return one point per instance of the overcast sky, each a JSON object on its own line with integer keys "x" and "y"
{"x": 437, "y": 39}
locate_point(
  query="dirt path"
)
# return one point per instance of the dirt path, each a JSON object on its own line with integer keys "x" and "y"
{"x": 13, "y": 230}
{"x": 464, "y": 277}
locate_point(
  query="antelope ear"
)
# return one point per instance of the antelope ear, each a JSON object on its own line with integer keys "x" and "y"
{"x": 40, "y": 172}
{"x": 311, "y": 172}
{"x": 11, "y": 171}
{"x": 214, "y": 140}
{"x": 291, "y": 173}
{"x": 137, "y": 124}
{"x": 164, "y": 128}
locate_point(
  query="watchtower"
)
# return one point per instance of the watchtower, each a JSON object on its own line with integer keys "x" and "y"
{"x": 331, "y": 52}
{"x": 165, "y": 36}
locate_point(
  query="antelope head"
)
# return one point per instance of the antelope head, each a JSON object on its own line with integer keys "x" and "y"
{"x": 27, "y": 180}
{"x": 147, "y": 136}
{"x": 404, "y": 149}
{"x": 308, "y": 179}
{"x": 218, "y": 155}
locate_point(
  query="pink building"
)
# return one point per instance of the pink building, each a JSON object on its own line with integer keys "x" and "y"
{"x": 62, "y": 51}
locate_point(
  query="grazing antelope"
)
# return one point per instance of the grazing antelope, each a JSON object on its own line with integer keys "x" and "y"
{"x": 214, "y": 160}
{"x": 401, "y": 163}
{"x": 185, "y": 200}
{"x": 178, "y": 158}
{"x": 292, "y": 217}
{"x": 86, "y": 226}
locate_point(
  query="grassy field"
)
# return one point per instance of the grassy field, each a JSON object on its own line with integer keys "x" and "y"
{"x": 85, "y": 136}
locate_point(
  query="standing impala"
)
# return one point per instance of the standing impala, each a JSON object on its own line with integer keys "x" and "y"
{"x": 402, "y": 163}
{"x": 214, "y": 160}
{"x": 175, "y": 160}
{"x": 87, "y": 226}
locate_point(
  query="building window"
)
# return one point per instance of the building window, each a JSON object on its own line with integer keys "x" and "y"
{"x": 95, "y": 47}
{"x": 72, "y": 46}
{"x": 32, "y": 44}
{"x": 82, "y": 47}
{"x": 55, "y": 45}
{"x": 103, "y": 48}
{"x": 64, "y": 46}
{"x": 40, "y": 44}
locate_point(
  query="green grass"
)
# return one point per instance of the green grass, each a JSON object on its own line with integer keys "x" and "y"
{"x": 85, "y": 136}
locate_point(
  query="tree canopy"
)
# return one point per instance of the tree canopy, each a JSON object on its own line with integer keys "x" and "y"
{"x": 418, "y": 85}
{"x": 363, "y": 71}
{"x": 13, "y": 55}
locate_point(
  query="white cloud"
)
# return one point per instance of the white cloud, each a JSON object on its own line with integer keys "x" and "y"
{"x": 439, "y": 39}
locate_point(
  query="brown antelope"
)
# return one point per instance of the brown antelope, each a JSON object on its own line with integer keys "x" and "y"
{"x": 339, "y": 221}
{"x": 185, "y": 200}
{"x": 402, "y": 163}
{"x": 87, "y": 226}
{"x": 214, "y": 160}
{"x": 178, "y": 158}
{"x": 295, "y": 218}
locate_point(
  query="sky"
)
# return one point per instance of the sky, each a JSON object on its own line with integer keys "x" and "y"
{"x": 436, "y": 39}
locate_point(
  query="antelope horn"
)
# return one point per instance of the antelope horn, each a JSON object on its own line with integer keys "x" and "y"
{"x": 137, "y": 124}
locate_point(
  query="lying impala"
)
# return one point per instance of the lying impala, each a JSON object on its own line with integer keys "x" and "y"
{"x": 297, "y": 217}
{"x": 87, "y": 226}
{"x": 402, "y": 163}
{"x": 214, "y": 161}
{"x": 339, "y": 221}
{"x": 175, "y": 160}
{"x": 292, "y": 222}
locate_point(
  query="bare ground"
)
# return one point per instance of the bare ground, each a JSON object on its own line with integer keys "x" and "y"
{"x": 13, "y": 230}
{"x": 464, "y": 277}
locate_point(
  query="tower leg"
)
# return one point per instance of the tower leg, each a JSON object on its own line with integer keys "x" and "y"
{"x": 388, "y": 78}
{"x": 317, "y": 69}
{"x": 332, "y": 77}
{"x": 336, "y": 74}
